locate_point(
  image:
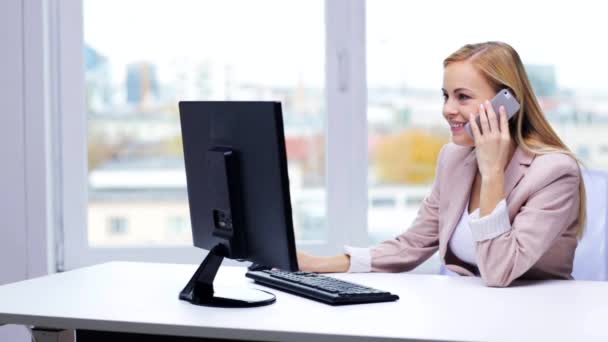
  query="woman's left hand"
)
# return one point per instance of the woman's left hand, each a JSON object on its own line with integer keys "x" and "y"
{"x": 492, "y": 145}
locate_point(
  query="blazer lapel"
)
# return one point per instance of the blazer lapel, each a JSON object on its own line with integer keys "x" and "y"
{"x": 516, "y": 169}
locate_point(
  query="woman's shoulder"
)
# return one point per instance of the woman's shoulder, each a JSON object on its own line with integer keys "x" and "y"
{"x": 451, "y": 152}
{"x": 555, "y": 162}
{"x": 552, "y": 167}
{"x": 454, "y": 148}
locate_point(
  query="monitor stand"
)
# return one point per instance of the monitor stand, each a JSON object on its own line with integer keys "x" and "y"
{"x": 200, "y": 289}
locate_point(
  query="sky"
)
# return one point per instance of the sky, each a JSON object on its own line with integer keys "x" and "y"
{"x": 279, "y": 41}
{"x": 270, "y": 41}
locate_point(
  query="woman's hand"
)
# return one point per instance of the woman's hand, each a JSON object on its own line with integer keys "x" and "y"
{"x": 492, "y": 145}
{"x": 311, "y": 263}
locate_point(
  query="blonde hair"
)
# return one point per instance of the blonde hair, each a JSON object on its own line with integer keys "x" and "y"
{"x": 502, "y": 67}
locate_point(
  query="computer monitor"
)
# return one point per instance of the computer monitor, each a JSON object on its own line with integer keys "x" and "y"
{"x": 238, "y": 192}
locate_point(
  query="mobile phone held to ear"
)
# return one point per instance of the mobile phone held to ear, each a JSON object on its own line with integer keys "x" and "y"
{"x": 502, "y": 98}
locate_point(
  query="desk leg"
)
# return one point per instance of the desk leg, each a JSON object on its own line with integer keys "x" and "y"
{"x": 105, "y": 336}
{"x": 53, "y": 335}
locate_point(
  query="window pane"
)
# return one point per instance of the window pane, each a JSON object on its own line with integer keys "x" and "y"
{"x": 144, "y": 56}
{"x": 406, "y": 45}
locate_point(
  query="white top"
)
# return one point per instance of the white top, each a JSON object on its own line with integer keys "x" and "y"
{"x": 143, "y": 298}
{"x": 461, "y": 243}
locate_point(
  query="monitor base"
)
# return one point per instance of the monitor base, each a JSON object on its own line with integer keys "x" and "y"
{"x": 200, "y": 289}
{"x": 229, "y": 297}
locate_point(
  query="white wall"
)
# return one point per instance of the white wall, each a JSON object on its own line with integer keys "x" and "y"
{"x": 24, "y": 241}
{"x": 13, "y": 257}
{"x": 12, "y": 145}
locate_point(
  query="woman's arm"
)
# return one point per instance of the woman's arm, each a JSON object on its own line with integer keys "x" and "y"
{"x": 546, "y": 214}
{"x": 319, "y": 264}
{"x": 492, "y": 192}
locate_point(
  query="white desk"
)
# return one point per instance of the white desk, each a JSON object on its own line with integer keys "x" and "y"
{"x": 142, "y": 298}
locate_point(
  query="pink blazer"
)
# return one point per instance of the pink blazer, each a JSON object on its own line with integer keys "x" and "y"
{"x": 542, "y": 201}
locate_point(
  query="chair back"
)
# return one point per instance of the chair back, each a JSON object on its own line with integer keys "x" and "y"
{"x": 591, "y": 258}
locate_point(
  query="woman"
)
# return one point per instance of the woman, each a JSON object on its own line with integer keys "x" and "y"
{"x": 507, "y": 204}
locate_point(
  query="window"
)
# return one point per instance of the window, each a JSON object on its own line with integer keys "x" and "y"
{"x": 177, "y": 229}
{"x": 383, "y": 202}
{"x": 117, "y": 226}
{"x": 123, "y": 108}
{"x": 413, "y": 201}
{"x": 204, "y": 50}
{"x": 360, "y": 86}
{"x": 178, "y": 224}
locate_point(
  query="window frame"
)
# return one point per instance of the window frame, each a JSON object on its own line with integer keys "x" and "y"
{"x": 346, "y": 136}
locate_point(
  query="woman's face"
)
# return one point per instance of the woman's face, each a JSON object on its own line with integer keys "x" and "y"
{"x": 464, "y": 89}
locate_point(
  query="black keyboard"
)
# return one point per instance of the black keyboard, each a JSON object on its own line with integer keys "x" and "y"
{"x": 321, "y": 288}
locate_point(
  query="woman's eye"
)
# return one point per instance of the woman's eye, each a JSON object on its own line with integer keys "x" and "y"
{"x": 463, "y": 97}
{"x": 445, "y": 97}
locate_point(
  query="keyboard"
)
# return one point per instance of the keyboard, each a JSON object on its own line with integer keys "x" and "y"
{"x": 320, "y": 288}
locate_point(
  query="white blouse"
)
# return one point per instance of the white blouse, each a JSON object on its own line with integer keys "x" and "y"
{"x": 461, "y": 243}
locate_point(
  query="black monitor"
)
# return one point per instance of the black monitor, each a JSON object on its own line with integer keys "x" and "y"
{"x": 238, "y": 193}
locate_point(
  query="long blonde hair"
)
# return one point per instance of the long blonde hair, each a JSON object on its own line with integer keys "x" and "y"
{"x": 502, "y": 67}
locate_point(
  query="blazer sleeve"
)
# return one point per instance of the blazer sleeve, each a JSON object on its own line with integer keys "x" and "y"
{"x": 419, "y": 242}
{"x": 548, "y": 212}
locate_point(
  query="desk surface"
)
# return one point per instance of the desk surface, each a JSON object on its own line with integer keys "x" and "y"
{"x": 142, "y": 298}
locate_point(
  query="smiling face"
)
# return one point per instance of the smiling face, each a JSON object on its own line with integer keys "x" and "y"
{"x": 464, "y": 89}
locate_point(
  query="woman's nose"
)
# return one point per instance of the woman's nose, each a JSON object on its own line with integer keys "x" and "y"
{"x": 449, "y": 110}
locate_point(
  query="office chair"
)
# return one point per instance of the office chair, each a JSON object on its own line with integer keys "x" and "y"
{"x": 591, "y": 258}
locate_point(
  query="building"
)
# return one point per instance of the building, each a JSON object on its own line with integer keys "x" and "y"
{"x": 97, "y": 79}
{"x": 142, "y": 84}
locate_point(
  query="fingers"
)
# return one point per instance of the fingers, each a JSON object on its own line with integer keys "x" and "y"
{"x": 489, "y": 121}
{"x": 492, "y": 117}
{"x": 474, "y": 127}
{"x": 483, "y": 117}
{"x": 504, "y": 122}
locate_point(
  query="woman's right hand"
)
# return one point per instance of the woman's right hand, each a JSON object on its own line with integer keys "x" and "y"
{"x": 319, "y": 264}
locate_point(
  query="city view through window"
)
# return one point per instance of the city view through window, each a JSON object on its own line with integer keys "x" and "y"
{"x": 136, "y": 74}
{"x": 139, "y": 66}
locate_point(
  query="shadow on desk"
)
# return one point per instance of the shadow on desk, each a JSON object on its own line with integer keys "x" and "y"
{"x": 105, "y": 336}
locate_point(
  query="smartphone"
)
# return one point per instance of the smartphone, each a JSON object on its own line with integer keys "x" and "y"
{"x": 502, "y": 98}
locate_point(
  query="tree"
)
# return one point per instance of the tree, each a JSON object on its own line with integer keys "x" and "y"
{"x": 408, "y": 157}
{"x": 173, "y": 146}
{"x": 100, "y": 151}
